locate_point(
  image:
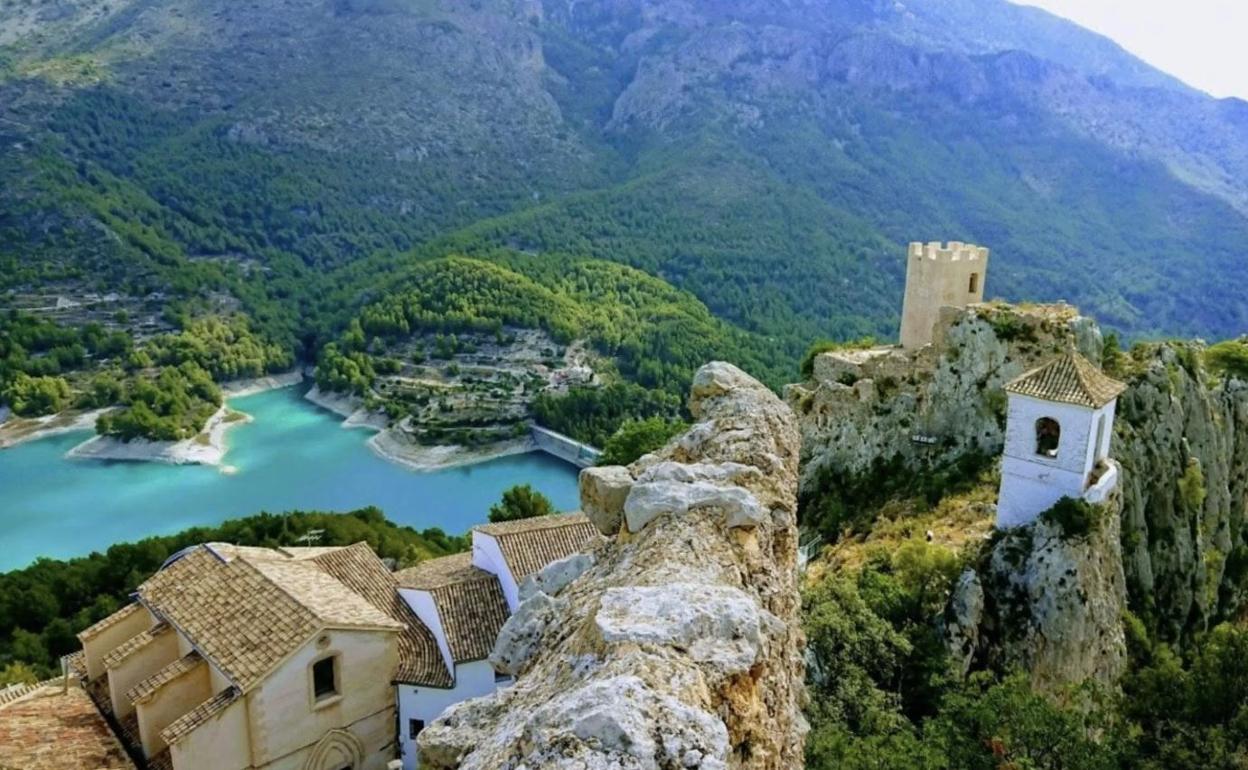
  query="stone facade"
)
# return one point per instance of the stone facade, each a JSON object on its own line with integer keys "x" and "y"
{"x": 939, "y": 276}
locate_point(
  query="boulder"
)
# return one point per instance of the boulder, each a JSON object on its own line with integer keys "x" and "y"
{"x": 648, "y": 500}
{"x": 522, "y": 634}
{"x": 556, "y": 576}
{"x": 603, "y": 491}
{"x": 714, "y": 624}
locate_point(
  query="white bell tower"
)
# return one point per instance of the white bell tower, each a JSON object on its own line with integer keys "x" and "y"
{"x": 1058, "y": 429}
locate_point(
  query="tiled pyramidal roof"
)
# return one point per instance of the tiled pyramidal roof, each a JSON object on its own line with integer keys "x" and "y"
{"x": 1068, "y": 379}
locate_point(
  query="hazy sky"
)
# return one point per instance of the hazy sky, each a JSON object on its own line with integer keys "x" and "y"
{"x": 1202, "y": 42}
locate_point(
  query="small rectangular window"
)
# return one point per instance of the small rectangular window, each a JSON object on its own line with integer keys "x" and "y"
{"x": 414, "y": 726}
{"x": 324, "y": 679}
{"x": 974, "y": 283}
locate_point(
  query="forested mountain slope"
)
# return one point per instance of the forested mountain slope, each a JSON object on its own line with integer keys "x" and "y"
{"x": 770, "y": 158}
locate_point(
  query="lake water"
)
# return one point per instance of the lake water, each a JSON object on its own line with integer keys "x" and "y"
{"x": 294, "y": 456}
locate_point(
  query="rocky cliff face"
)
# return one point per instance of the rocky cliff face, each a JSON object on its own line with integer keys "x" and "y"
{"x": 677, "y": 643}
{"x": 1181, "y": 441}
{"x": 867, "y": 410}
{"x": 1048, "y": 601}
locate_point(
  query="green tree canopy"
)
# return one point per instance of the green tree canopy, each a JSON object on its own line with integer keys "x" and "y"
{"x": 521, "y": 502}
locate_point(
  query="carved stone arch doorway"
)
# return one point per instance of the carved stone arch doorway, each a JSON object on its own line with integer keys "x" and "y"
{"x": 338, "y": 750}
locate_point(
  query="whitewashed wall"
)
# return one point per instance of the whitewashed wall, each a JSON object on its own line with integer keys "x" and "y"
{"x": 1032, "y": 483}
{"x": 472, "y": 680}
{"x": 488, "y": 556}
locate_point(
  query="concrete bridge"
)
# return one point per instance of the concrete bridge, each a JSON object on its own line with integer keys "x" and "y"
{"x": 565, "y": 447}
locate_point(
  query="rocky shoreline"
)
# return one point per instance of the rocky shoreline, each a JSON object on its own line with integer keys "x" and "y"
{"x": 19, "y": 430}
{"x": 394, "y": 446}
{"x": 241, "y": 388}
{"x": 207, "y": 448}
{"x": 391, "y": 445}
{"x": 350, "y": 408}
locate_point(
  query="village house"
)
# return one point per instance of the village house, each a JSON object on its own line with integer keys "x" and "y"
{"x": 234, "y": 658}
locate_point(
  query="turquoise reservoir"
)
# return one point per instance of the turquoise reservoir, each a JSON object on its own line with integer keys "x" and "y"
{"x": 294, "y": 456}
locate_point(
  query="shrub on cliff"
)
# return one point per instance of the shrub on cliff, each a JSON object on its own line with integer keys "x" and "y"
{"x": 1075, "y": 517}
{"x": 1229, "y": 358}
{"x": 638, "y": 437}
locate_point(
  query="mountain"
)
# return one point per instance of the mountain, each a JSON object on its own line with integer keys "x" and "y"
{"x": 769, "y": 157}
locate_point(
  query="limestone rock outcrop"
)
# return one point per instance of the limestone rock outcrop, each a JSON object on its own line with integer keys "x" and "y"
{"x": 677, "y": 644}
{"x": 863, "y": 409}
{"x": 1047, "y": 601}
{"x": 1182, "y": 442}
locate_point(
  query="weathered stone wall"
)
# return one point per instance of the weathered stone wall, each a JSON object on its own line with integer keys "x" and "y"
{"x": 676, "y": 643}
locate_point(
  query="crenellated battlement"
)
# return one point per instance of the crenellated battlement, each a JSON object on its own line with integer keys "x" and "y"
{"x": 939, "y": 275}
{"x": 954, "y": 251}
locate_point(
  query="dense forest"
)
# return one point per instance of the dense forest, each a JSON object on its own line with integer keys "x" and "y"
{"x": 654, "y": 335}
{"x": 44, "y": 605}
{"x": 164, "y": 387}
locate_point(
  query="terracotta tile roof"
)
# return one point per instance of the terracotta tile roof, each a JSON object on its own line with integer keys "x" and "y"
{"x": 432, "y": 573}
{"x": 247, "y": 613}
{"x": 326, "y": 595}
{"x": 470, "y": 603}
{"x": 134, "y": 644}
{"x": 118, "y": 616}
{"x": 472, "y": 612}
{"x": 55, "y": 729}
{"x": 183, "y": 665}
{"x": 76, "y": 664}
{"x": 1068, "y": 379}
{"x": 198, "y": 715}
{"x": 307, "y": 552}
{"x": 530, "y": 544}
{"x": 359, "y": 569}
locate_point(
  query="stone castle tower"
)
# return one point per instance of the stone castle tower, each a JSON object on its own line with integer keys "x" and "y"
{"x": 939, "y": 276}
